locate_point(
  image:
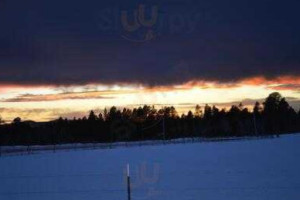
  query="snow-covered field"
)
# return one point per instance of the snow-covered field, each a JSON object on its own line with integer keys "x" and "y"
{"x": 233, "y": 170}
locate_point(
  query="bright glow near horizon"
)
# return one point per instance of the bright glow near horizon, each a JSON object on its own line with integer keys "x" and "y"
{"x": 46, "y": 103}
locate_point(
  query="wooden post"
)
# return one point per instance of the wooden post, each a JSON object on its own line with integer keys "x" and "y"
{"x": 128, "y": 183}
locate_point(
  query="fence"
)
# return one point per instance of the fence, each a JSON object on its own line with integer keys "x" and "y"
{"x": 24, "y": 150}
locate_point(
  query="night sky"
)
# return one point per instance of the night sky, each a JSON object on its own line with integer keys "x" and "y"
{"x": 78, "y": 43}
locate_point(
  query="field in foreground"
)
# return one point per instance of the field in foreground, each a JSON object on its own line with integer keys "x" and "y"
{"x": 234, "y": 170}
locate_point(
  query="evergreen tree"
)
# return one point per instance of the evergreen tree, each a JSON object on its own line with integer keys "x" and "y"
{"x": 92, "y": 116}
{"x": 275, "y": 117}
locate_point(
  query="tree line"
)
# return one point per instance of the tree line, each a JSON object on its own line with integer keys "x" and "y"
{"x": 273, "y": 116}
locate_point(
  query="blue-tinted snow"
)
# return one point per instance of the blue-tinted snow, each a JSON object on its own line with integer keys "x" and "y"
{"x": 236, "y": 170}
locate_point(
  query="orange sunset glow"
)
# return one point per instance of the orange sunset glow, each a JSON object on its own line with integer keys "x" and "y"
{"x": 44, "y": 103}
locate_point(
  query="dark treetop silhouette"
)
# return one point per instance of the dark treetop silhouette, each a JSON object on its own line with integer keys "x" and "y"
{"x": 275, "y": 116}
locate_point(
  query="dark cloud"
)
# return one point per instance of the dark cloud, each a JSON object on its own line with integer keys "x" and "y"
{"x": 42, "y": 114}
{"x": 295, "y": 87}
{"x": 56, "y": 97}
{"x": 249, "y": 103}
{"x": 294, "y": 103}
{"x": 70, "y": 42}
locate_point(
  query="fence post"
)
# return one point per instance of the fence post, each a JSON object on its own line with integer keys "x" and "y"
{"x": 128, "y": 183}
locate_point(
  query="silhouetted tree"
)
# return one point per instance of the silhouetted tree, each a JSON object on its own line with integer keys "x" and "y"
{"x": 17, "y": 120}
{"x": 271, "y": 114}
{"x": 207, "y": 112}
{"x": 257, "y": 108}
{"x": 198, "y": 111}
{"x": 146, "y": 123}
{"x": 92, "y": 116}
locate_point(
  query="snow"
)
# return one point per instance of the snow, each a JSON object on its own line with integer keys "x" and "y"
{"x": 231, "y": 170}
